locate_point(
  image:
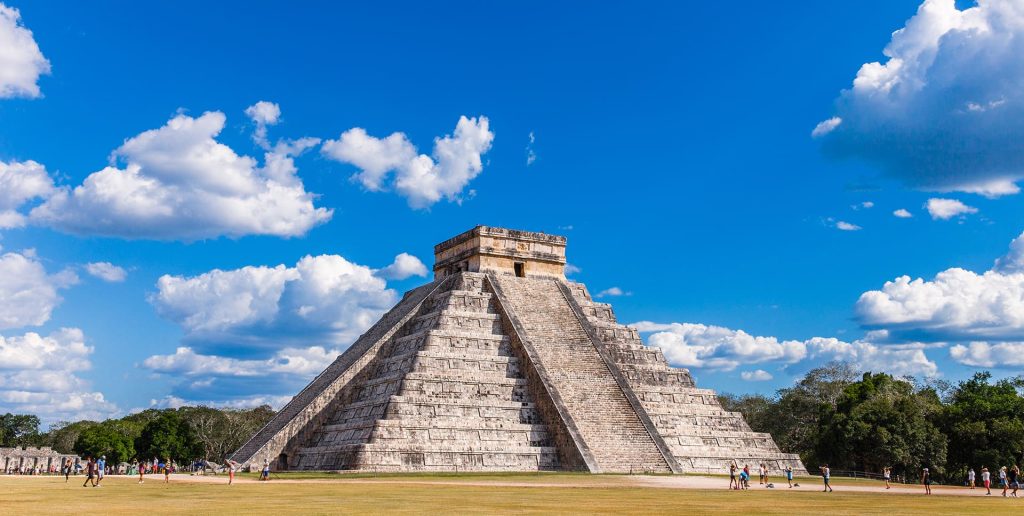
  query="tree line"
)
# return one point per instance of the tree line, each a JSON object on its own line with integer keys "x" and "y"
{"x": 179, "y": 434}
{"x": 867, "y": 421}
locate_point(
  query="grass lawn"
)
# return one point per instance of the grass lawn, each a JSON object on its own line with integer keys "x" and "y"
{"x": 407, "y": 494}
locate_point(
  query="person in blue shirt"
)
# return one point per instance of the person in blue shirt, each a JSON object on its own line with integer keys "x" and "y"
{"x": 101, "y": 468}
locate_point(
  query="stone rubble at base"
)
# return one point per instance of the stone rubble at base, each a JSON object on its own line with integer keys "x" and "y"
{"x": 502, "y": 364}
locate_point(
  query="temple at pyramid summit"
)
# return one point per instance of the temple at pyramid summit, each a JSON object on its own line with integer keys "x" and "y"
{"x": 502, "y": 364}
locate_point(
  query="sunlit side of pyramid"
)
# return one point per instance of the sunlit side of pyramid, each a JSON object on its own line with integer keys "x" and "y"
{"x": 501, "y": 364}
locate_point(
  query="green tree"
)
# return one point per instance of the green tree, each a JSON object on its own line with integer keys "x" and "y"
{"x": 63, "y": 435}
{"x": 985, "y": 423}
{"x": 168, "y": 436}
{"x": 19, "y": 430}
{"x": 883, "y": 421}
{"x": 220, "y": 432}
{"x": 794, "y": 416}
{"x": 113, "y": 438}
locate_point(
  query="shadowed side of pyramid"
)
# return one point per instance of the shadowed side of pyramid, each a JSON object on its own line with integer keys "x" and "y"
{"x": 501, "y": 364}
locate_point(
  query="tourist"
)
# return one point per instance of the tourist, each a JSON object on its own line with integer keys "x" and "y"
{"x": 789, "y": 475}
{"x": 986, "y": 480}
{"x": 167, "y": 472}
{"x": 101, "y": 466}
{"x": 67, "y": 470}
{"x": 732, "y": 475}
{"x": 970, "y": 478}
{"x": 826, "y": 473}
{"x": 763, "y": 471}
{"x": 1002, "y": 480}
{"x": 265, "y": 474}
{"x": 232, "y": 466}
{"x": 744, "y": 478}
{"x": 1012, "y": 476}
{"x": 926, "y": 479}
{"x": 90, "y": 472}
{"x": 887, "y": 473}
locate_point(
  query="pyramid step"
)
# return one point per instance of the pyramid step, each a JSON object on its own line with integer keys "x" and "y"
{"x": 443, "y": 362}
{"x": 393, "y": 457}
{"x": 405, "y": 407}
{"x": 483, "y": 323}
{"x": 461, "y": 301}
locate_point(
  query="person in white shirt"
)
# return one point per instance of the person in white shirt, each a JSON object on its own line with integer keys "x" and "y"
{"x": 986, "y": 480}
{"x": 970, "y": 478}
{"x": 1002, "y": 480}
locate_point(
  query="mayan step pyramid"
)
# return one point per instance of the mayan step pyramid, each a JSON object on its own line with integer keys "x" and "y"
{"x": 502, "y": 364}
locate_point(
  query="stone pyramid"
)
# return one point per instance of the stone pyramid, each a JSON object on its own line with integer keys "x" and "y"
{"x": 501, "y": 364}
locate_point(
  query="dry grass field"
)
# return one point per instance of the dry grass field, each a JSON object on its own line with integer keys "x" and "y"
{"x": 475, "y": 494}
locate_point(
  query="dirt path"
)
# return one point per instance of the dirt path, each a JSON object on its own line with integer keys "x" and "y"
{"x": 660, "y": 482}
{"x": 699, "y": 482}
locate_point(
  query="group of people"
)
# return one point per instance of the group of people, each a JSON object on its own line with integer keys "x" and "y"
{"x": 1009, "y": 480}
{"x": 95, "y": 469}
{"x": 742, "y": 479}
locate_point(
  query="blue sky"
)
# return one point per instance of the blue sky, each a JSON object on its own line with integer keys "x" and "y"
{"x": 670, "y": 142}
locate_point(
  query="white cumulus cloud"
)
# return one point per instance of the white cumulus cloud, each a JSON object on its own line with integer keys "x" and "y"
{"x": 944, "y": 110}
{"x": 305, "y": 362}
{"x": 404, "y": 266}
{"x": 826, "y": 126}
{"x": 957, "y": 305}
{"x": 423, "y": 180}
{"x": 945, "y": 209}
{"x": 106, "y": 271}
{"x": 263, "y": 114}
{"x": 985, "y": 354}
{"x": 179, "y": 182}
{"x": 21, "y": 61}
{"x": 613, "y": 292}
{"x": 21, "y": 182}
{"x": 757, "y": 375}
{"x": 902, "y": 213}
{"x": 27, "y": 293}
{"x": 324, "y": 299}
{"x": 842, "y": 225}
{"x": 720, "y": 348}
{"x": 38, "y": 376}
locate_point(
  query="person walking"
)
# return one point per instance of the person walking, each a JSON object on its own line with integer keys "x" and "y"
{"x": 789, "y": 475}
{"x": 887, "y": 473}
{"x": 101, "y": 466}
{"x": 986, "y": 480}
{"x": 90, "y": 472}
{"x": 1002, "y": 480}
{"x": 926, "y": 479}
{"x": 265, "y": 474}
{"x": 826, "y": 474}
{"x": 732, "y": 475}
{"x": 1013, "y": 477}
{"x": 763, "y": 470}
{"x": 67, "y": 470}
{"x": 970, "y": 478}
{"x": 232, "y": 466}
{"x": 167, "y": 472}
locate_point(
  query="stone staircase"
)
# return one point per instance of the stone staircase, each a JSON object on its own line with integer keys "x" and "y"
{"x": 701, "y": 435}
{"x": 608, "y": 424}
{"x": 445, "y": 393}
